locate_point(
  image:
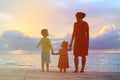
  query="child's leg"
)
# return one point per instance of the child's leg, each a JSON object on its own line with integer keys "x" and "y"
{"x": 42, "y": 67}
{"x": 64, "y": 69}
{"x": 60, "y": 69}
{"x": 47, "y": 66}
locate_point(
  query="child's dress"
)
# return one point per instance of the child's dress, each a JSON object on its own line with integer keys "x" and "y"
{"x": 63, "y": 59}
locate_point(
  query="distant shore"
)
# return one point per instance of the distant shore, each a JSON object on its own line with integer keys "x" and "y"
{"x": 36, "y": 74}
{"x": 105, "y": 51}
{"x": 38, "y": 52}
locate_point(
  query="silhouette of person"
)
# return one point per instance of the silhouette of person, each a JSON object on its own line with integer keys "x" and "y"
{"x": 63, "y": 62}
{"x": 45, "y": 42}
{"x": 80, "y": 36}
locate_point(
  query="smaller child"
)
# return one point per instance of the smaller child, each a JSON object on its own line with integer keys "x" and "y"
{"x": 63, "y": 62}
{"x": 46, "y": 47}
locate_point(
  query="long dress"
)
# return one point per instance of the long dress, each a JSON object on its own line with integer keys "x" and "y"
{"x": 81, "y": 35}
{"x": 63, "y": 59}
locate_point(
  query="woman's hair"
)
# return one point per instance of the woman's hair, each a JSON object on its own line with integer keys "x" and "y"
{"x": 80, "y": 15}
{"x": 65, "y": 44}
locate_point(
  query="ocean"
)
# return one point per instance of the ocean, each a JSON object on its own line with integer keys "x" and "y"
{"x": 101, "y": 62}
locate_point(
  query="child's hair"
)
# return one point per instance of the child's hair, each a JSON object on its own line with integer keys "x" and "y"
{"x": 65, "y": 44}
{"x": 43, "y": 31}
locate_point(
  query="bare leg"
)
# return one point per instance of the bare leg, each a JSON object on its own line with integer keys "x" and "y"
{"x": 60, "y": 69}
{"x": 76, "y": 63}
{"x": 43, "y": 67}
{"x": 47, "y": 66}
{"x": 64, "y": 69}
{"x": 83, "y": 63}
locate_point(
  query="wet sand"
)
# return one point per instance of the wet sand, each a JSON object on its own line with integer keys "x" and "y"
{"x": 36, "y": 74}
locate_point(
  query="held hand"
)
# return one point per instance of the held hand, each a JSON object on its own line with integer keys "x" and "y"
{"x": 70, "y": 46}
{"x": 69, "y": 49}
{"x": 52, "y": 53}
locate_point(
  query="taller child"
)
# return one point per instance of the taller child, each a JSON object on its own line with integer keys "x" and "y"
{"x": 80, "y": 36}
{"x": 46, "y": 47}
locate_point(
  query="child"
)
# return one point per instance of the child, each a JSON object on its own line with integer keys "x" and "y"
{"x": 63, "y": 59}
{"x": 46, "y": 47}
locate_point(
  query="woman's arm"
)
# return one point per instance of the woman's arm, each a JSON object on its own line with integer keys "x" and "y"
{"x": 57, "y": 53}
{"x": 87, "y": 34}
{"x": 73, "y": 35}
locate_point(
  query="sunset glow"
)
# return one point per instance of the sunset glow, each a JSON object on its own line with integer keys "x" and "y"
{"x": 30, "y": 16}
{"x": 22, "y": 21}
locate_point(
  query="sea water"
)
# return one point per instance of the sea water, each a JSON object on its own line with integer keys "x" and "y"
{"x": 101, "y": 62}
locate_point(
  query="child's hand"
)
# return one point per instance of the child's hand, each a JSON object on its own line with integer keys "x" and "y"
{"x": 52, "y": 53}
{"x": 37, "y": 46}
{"x": 69, "y": 49}
{"x": 56, "y": 53}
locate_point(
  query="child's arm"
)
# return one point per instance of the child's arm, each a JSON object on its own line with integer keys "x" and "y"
{"x": 52, "y": 50}
{"x": 38, "y": 44}
{"x": 56, "y": 53}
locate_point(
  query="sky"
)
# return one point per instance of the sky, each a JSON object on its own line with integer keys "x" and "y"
{"x": 30, "y": 16}
{"x": 26, "y": 18}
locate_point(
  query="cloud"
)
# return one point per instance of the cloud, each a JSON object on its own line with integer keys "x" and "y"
{"x": 14, "y": 40}
{"x": 58, "y": 17}
{"x": 99, "y": 13}
{"x": 37, "y": 14}
{"x": 4, "y": 18}
{"x": 17, "y": 42}
{"x": 107, "y": 29}
{"x": 17, "y": 52}
{"x": 108, "y": 39}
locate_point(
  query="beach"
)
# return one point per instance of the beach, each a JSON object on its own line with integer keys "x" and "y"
{"x": 28, "y": 67}
{"x": 36, "y": 74}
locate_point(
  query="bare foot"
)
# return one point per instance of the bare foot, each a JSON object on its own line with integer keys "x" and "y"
{"x": 82, "y": 71}
{"x": 75, "y": 71}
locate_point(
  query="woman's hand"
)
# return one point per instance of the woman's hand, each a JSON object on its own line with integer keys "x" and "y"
{"x": 70, "y": 46}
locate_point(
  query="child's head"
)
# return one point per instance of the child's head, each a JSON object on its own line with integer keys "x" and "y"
{"x": 44, "y": 32}
{"x": 65, "y": 44}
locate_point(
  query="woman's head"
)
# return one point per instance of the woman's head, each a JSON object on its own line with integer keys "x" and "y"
{"x": 80, "y": 15}
{"x": 44, "y": 32}
{"x": 65, "y": 44}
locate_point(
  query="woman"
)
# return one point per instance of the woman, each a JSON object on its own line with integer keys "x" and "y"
{"x": 80, "y": 36}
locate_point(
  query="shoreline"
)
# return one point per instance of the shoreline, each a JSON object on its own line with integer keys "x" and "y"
{"x": 36, "y": 74}
{"x": 98, "y": 51}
